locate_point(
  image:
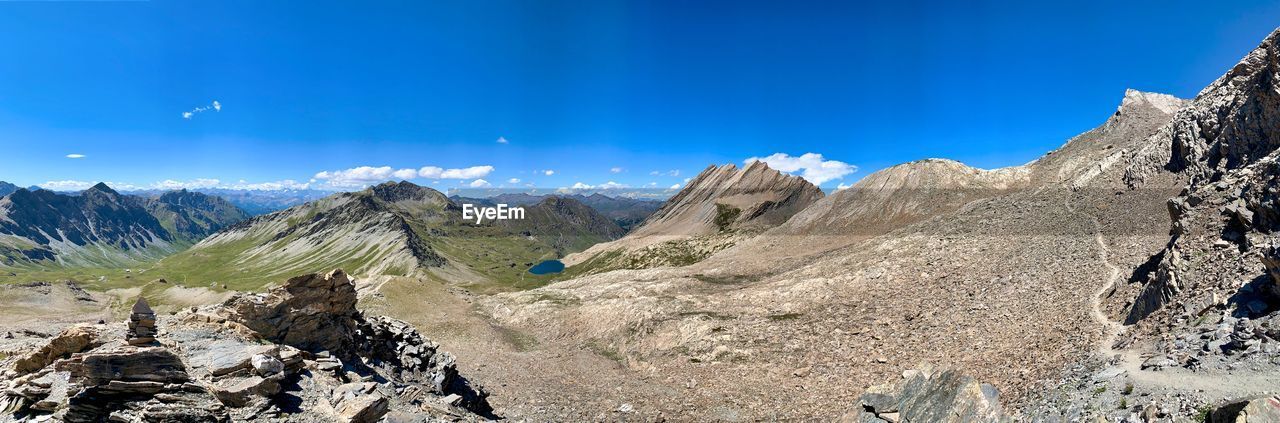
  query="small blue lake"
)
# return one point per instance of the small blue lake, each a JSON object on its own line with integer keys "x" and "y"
{"x": 547, "y": 267}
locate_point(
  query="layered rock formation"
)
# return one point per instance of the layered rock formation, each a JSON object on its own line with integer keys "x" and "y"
{"x": 725, "y": 198}
{"x": 300, "y": 352}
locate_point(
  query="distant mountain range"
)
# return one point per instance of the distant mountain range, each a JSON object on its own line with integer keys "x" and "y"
{"x": 253, "y": 202}
{"x": 100, "y": 226}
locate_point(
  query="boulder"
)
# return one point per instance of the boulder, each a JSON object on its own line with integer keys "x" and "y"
{"x": 947, "y": 396}
{"x": 1251, "y": 410}
{"x": 70, "y": 341}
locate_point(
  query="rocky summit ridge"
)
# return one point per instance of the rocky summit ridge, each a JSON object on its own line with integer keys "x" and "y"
{"x": 300, "y": 352}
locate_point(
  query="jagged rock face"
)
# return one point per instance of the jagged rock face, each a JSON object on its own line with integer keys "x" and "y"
{"x": 1226, "y": 142}
{"x": 312, "y": 312}
{"x": 762, "y": 197}
{"x": 7, "y": 188}
{"x": 1230, "y": 124}
{"x": 1234, "y": 120}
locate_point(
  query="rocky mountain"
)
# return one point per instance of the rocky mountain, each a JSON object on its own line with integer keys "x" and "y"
{"x": 389, "y": 229}
{"x": 720, "y": 207}
{"x": 724, "y": 198}
{"x": 100, "y": 226}
{"x": 301, "y": 352}
{"x": 7, "y": 188}
{"x": 191, "y": 215}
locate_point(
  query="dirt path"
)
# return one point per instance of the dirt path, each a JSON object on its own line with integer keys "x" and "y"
{"x": 1213, "y": 384}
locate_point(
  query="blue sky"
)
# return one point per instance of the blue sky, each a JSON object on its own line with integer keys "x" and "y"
{"x": 636, "y": 93}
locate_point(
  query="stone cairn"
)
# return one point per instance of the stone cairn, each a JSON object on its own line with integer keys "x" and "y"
{"x": 142, "y": 324}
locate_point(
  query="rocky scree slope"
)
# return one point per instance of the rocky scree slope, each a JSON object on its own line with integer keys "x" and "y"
{"x": 301, "y": 352}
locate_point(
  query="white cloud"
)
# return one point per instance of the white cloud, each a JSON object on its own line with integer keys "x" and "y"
{"x": 613, "y": 185}
{"x": 615, "y": 170}
{"x": 215, "y": 106}
{"x": 513, "y": 181}
{"x": 405, "y": 174}
{"x": 605, "y": 186}
{"x": 170, "y": 184}
{"x": 674, "y": 187}
{"x": 368, "y": 175}
{"x": 672, "y": 172}
{"x": 433, "y": 172}
{"x": 842, "y": 186}
{"x": 479, "y": 183}
{"x": 359, "y": 176}
{"x": 467, "y": 173}
{"x": 503, "y": 140}
{"x": 67, "y": 185}
{"x": 548, "y": 172}
{"x": 75, "y": 156}
{"x": 812, "y": 166}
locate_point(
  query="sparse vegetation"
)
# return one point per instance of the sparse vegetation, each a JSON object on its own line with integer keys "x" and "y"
{"x": 725, "y": 216}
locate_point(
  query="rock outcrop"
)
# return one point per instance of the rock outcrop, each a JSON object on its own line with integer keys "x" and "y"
{"x": 301, "y": 352}
{"x": 929, "y": 396}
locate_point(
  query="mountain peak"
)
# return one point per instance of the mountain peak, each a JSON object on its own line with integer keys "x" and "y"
{"x": 103, "y": 188}
{"x": 1134, "y": 99}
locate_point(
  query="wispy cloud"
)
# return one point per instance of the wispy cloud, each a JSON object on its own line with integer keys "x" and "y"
{"x": 672, "y": 172}
{"x": 215, "y": 106}
{"x": 615, "y": 170}
{"x": 548, "y": 172}
{"x": 812, "y": 166}
{"x": 75, "y": 156}
{"x": 503, "y": 140}
{"x": 513, "y": 181}
{"x": 479, "y": 183}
